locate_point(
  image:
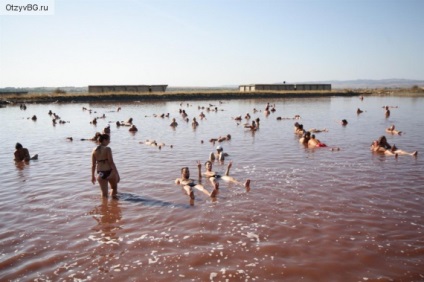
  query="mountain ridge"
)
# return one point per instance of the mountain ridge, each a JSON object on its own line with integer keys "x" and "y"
{"x": 335, "y": 84}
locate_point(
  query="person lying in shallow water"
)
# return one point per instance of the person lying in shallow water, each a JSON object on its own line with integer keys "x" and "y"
{"x": 213, "y": 176}
{"x": 94, "y": 138}
{"x": 391, "y": 129}
{"x": 315, "y": 143}
{"x": 188, "y": 184}
{"x": 393, "y": 151}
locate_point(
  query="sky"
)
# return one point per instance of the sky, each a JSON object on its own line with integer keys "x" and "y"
{"x": 211, "y": 43}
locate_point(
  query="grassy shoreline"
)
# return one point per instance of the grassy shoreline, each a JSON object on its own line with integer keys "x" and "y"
{"x": 191, "y": 95}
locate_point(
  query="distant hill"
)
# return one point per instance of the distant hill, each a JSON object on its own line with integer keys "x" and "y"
{"x": 369, "y": 83}
{"x": 70, "y": 89}
{"x": 335, "y": 84}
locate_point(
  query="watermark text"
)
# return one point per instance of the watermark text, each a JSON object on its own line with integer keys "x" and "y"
{"x": 26, "y": 7}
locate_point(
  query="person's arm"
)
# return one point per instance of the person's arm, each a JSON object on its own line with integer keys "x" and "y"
{"x": 227, "y": 172}
{"x": 178, "y": 181}
{"x": 27, "y": 157}
{"x": 93, "y": 167}
{"x": 112, "y": 163}
{"x": 17, "y": 158}
{"x": 199, "y": 168}
{"x": 221, "y": 156}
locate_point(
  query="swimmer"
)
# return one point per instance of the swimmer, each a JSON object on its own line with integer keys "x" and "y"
{"x": 359, "y": 111}
{"x": 22, "y": 154}
{"x": 387, "y": 111}
{"x": 188, "y": 184}
{"x": 106, "y": 130}
{"x": 305, "y": 138}
{"x": 391, "y": 129}
{"x": 224, "y": 138}
{"x": 315, "y": 130}
{"x": 315, "y": 143}
{"x": 295, "y": 117}
{"x": 219, "y": 155}
{"x": 252, "y": 127}
{"x": 94, "y": 138}
{"x": 377, "y": 147}
{"x": 298, "y": 128}
{"x": 221, "y": 138}
{"x": 213, "y": 176}
{"x": 107, "y": 173}
{"x": 194, "y": 124}
{"x": 173, "y": 123}
{"x": 343, "y": 122}
{"x": 133, "y": 128}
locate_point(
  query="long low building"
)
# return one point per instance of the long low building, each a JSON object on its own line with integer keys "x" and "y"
{"x": 126, "y": 88}
{"x": 283, "y": 87}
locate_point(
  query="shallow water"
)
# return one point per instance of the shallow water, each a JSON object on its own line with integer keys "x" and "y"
{"x": 311, "y": 215}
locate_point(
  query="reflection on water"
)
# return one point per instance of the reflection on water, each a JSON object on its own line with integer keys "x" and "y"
{"x": 108, "y": 216}
{"x": 311, "y": 214}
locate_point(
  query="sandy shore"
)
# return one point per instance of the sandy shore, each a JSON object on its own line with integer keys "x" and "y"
{"x": 188, "y": 95}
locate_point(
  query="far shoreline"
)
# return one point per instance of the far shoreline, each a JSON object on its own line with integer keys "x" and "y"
{"x": 193, "y": 95}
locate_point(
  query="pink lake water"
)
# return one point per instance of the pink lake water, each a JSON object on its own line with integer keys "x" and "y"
{"x": 311, "y": 214}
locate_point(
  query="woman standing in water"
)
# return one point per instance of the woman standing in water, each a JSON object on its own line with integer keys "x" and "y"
{"x": 106, "y": 169}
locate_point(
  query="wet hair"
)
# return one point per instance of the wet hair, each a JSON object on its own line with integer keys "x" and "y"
{"x": 184, "y": 168}
{"x": 103, "y": 137}
{"x": 208, "y": 162}
{"x": 382, "y": 139}
{"x": 18, "y": 146}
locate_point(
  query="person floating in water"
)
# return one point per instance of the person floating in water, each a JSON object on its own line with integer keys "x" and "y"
{"x": 107, "y": 173}
{"x": 94, "y": 138}
{"x": 213, "y": 176}
{"x": 315, "y": 143}
{"x": 391, "y": 129}
{"x": 219, "y": 155}
{"x": 188, "y": 183}
{"x": 381, "y": 146}
{"x": 22, "y": 154}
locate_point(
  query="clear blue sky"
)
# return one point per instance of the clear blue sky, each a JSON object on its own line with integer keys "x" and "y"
{"x": 212, "y": 43}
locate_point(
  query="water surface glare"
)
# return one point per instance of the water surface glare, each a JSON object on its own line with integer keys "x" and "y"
{"x": 311, "y": 214}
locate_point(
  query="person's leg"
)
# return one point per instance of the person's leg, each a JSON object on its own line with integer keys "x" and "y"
{"x": 201, "y": 188}
{"x": 233, "y": 180}
{"x": 189, "y": 191}
{"x": 103, "y": 186}
{"x": 390, "y": 153}
{"x": 114, "y": 188}
{"x": 402, "y": 152}
{"x": 214, "y": 182}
